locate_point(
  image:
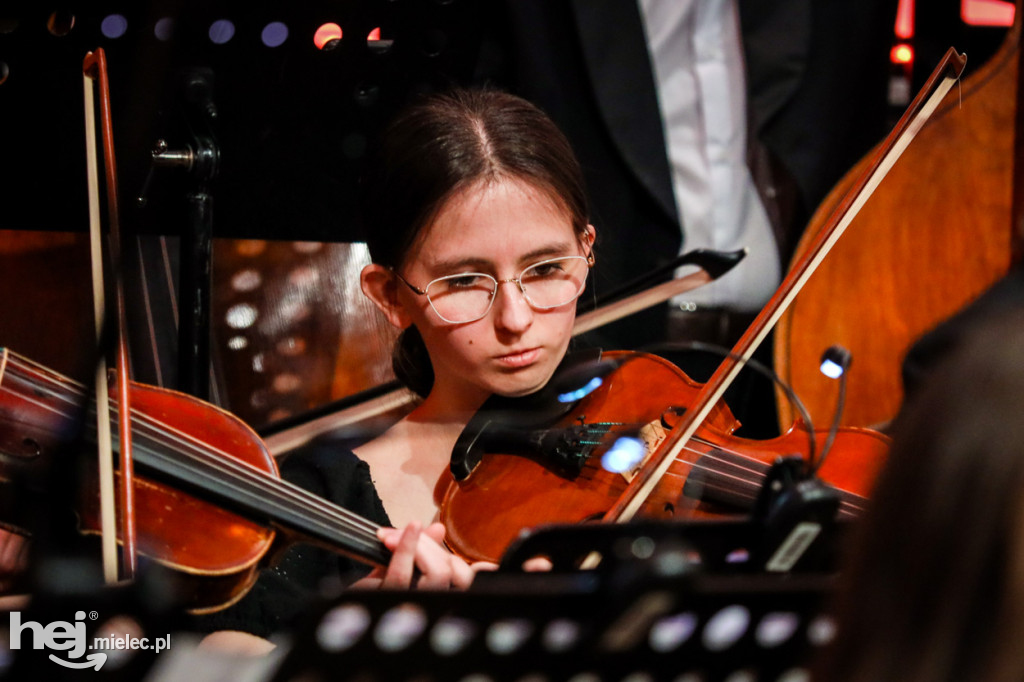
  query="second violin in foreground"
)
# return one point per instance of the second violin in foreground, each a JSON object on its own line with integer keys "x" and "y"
{"x": 210, "y": 504}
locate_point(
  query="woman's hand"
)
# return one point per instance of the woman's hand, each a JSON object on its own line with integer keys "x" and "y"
{"x": 420, "y": 560}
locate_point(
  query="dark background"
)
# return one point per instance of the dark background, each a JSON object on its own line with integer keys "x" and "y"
{"x": 293, "y": 121}
{"x": 293, "y": 124}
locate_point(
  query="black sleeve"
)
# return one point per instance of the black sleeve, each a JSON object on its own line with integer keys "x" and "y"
{"x": 304, "y": 573}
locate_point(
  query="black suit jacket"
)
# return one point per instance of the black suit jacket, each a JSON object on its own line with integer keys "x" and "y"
{"x": 585, "y": 62}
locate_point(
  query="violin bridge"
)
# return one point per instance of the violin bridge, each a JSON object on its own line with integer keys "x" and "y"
{"x": 652, "y": 435}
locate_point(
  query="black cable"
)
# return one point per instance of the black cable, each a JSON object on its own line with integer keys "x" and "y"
{"x": 841, "y": 358}
{"x": 761, "y": 368}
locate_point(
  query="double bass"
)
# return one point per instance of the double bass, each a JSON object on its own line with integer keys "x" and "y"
{"x": 944, "y": 226}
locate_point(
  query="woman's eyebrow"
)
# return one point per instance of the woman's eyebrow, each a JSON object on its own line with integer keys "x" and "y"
{"x": 551, "y": 250}
{"x": 547, "y": 251}
{"x": 457, "y": 264}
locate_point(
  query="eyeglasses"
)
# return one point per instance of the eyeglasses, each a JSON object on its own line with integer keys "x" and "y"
{"x": 467, "y": 296}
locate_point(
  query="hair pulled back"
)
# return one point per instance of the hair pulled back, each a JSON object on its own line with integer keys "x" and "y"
{"x": 445, "y": 144}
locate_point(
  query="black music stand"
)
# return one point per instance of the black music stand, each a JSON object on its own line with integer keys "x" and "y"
{"x": 657, "y": 617}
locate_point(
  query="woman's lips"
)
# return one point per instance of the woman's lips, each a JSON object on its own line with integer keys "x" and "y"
{"x": 521, "y": 358}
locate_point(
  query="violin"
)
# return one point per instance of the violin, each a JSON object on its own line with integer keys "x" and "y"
{"x": 209, "y": 502}
{"x": 548, "y": 461}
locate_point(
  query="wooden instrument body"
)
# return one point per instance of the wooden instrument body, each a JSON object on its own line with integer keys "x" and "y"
{"x": 508, "y": 493}
{"x": 936, "y": 234}
{"x": 214, "y": 553}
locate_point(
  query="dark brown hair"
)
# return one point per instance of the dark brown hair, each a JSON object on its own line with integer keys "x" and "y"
{"x": 932, "y": 588}
{"x": 442, "y": 145}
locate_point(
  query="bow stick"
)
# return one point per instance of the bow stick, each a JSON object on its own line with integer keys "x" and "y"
{"x": 94, "y": 69}
{"x": 711, "y": 264}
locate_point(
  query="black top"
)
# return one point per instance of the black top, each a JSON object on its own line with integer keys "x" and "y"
{"x": 305, "y": 573}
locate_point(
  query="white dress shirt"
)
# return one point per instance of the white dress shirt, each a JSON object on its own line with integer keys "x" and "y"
{"x": 698, "y": 67}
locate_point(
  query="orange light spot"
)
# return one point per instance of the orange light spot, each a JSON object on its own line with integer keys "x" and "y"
{"x": 326, "y": 34}
{"x": 987, "y": 12}
{"x": 901, "y": 54}
{"x": 905, "y": 20}
{"x": 374, "y": 34}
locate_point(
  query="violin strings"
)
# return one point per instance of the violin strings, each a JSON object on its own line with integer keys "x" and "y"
{"x": 245, "y": 478}
{"x": 270, "y": 496}
{"x": 848, "y": 501}
{"x": 694, "y": 439}
{"x": 687, "y": 448}
{"x": 279, "y": 491}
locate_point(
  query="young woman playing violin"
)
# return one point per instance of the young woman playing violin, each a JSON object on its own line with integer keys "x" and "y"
{"x": 476, "y": 222}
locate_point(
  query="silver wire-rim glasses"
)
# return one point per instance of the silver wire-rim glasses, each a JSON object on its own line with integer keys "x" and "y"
{"x": 468, "y": 296}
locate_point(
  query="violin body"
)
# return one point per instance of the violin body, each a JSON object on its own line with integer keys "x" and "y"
{"x": 209, "y": 501}
{"x": 214, "y": 553}
{"x": 507, "y": 492}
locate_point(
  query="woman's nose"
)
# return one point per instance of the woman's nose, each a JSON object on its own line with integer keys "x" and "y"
{"x": 513, "y": 312}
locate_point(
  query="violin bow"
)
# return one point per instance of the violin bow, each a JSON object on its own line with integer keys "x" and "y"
{"x": 928, "y": 99}
{"x": 94, "y": 70}
{"x": 711, "y": 265}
